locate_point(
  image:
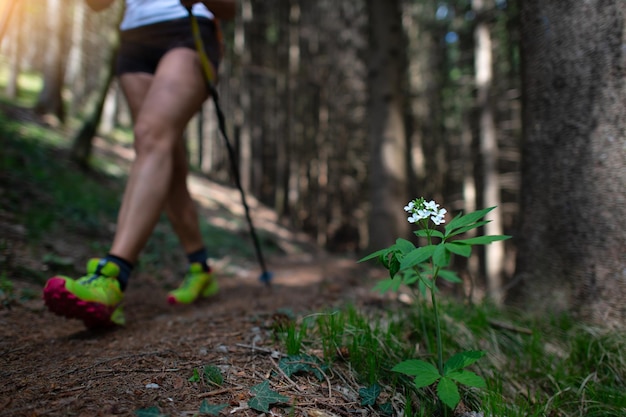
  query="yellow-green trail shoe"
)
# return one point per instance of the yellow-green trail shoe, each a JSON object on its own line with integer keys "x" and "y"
{"x": 95, "y": 298}
{"x": 197, "y": 283}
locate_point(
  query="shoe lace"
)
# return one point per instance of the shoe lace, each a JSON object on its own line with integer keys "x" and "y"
{"x": 90, "y": 279}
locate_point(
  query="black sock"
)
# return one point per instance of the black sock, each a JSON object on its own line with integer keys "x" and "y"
{"x": 200, "y": 257}
{"x": 126, "y": 268}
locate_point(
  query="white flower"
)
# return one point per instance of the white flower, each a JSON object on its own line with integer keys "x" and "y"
{"x": 438, "y": 217}
{"x": 420, "y": 210}
{"x": 437, "y": 220}
{"x": 423, "y": 214}
{"x": 431, "y": 205}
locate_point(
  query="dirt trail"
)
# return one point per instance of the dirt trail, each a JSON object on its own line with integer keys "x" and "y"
{"x": 50, "y": 366}
{"x": 53, "y": 367}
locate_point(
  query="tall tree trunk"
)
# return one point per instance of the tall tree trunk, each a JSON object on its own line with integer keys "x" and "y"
{"x": 242, "y": 50}
{"x": 293, "y": 136}
{"x": 108, "y": 121}
{"x": 488, "y": 145}
{"x": 6, "y": 11}
{"x": 15, "y": 47}
{"x": 388, "y": 144}
{"x": 572, "y": 243}
{"x": 50, "y": 100}
{"x": 82, "y": 143}
{"x": 74, "y": 76}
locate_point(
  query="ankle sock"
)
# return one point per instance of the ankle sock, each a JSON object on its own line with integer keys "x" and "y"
{"x": 126, "y": 268}
{"x": 200, "y": 256}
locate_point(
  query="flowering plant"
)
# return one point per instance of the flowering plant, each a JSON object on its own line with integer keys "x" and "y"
{"x": 421, "y": 267}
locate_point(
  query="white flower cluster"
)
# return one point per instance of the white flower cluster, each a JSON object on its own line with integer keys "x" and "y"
{"x": 420, "y": 209}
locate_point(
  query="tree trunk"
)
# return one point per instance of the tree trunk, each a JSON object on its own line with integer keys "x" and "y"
{"x": 15, "y": 48}
{"x": 74, "y": 77}
{"x": 388, "y": 144}
{"x": 572, "y": 243}
{"x": 242, "y": 50}
{"x": 488, "y": 145}
{"x": 5, "y": 16}
{"x": 50, "y": 100}
{"x": 82, "y": 143}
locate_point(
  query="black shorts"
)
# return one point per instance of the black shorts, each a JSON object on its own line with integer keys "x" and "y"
{"x": 142, "y": 48}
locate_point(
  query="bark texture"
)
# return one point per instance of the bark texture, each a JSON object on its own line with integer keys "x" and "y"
{"x": 572, "y": 242}
{"x": 388, "y": 144}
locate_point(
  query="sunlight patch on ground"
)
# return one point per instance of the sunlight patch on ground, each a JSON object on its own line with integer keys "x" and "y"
{"x": 220, "y": 206}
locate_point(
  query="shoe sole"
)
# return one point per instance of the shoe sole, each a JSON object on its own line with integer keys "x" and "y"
{"x": 63, "y": 303}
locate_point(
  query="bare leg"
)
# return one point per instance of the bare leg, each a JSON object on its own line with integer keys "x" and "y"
{"x": 158, "y": 176}
{"x": 180, "y": 207}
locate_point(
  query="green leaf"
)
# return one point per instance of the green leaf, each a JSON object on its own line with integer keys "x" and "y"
{"x": 450, "y": 276}
{"x": 264, "y": 397}
{"x": 466, "y": 220}
{"x": 294, "y": 364}
{"x": 456, "y": 248}
{"x": 448, "y": 392}
{"x": 468, "y": 378}
{"x": 210, "y": 409}
{"x": 386, "y": 409}
{"x": 441, "y": 257}
{"x": 482, "y": 240}
{"x": 213, "y": 375}
{"x": 374, "y": 255}
{"x": 195, "y": 377}
{"x": 149, "y": 412}
{"x": 417, "y": 256}
{"x": 370, "y": 394}
{"x": 462, "y": 360}
{"x": 394, "y": 265}
{"x": 467, "y": 228}
{"x": 404, "y": 246}
{"x": 410, "y": 277}
{"x": 390, "y": 284}
{"x": 424, "y": 372}
{"x": 429, "y": 232}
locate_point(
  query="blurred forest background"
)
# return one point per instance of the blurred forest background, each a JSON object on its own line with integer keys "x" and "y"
{"x": 343, "y": 111}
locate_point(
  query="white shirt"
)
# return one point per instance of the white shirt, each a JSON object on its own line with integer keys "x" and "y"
{"x": 145, "y": 12}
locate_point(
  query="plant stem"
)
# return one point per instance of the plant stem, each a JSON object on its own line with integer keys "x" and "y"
{"x": 438, "y": 332}
{"x": 437, "y": 323}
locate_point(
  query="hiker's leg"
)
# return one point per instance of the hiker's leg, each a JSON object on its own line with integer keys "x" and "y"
{"x": 176, "y": 92}
{"x": 179, "y": 206}
{"x": 135, "y": 86}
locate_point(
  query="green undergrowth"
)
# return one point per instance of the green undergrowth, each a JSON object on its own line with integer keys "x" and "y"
{"x": 50, "y": 197}
{"x": 550, "y": 367}
{"x": 46, "y": 192}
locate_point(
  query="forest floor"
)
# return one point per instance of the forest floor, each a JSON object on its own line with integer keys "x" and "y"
{"x": 50, "y": 366}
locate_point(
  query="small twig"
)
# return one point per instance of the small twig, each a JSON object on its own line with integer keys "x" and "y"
{"x": 147, "y": 371}
{"x": 293, "y": 383}
{"x": 217, "y": 392}
{"x": 260, "y": 349}
{"x": 507, "y": 326}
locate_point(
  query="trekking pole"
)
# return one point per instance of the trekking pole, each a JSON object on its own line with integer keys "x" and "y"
{"x": 209, "y": 74}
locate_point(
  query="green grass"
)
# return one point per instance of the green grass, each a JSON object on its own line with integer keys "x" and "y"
{"x": 46, "y": 193}
{"x": 563, "y": 368}
{"x": 50, "y": 196}
{"x": 29, "y": 85}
